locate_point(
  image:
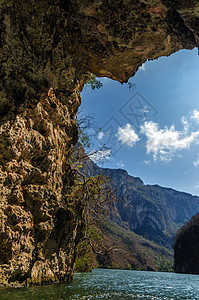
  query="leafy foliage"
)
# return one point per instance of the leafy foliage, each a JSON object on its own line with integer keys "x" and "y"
{"x": 94, "y": 83}
{"x": 134, "y": 252}
{"x": 164, "y": 265}
{"x": 86, "y": 257}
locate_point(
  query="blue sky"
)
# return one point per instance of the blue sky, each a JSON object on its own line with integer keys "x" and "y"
{"x": 151, "y": 131}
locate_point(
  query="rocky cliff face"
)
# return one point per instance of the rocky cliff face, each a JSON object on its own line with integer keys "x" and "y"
{"x": 186, "y": 248}
{"x": 156, "y": 212}
{"x": 39, "y": 225}
{"x": 47, "y": 51}
{"x": 151, "y": 211}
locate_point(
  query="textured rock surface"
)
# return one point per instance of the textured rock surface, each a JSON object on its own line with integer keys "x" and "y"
{"x": 186, "y": 248}
{"x": 39, "y": 227}
{"x": 57, "y": 43}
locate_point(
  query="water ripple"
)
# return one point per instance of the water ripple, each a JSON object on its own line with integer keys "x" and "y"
{"x": 114, "y": 285}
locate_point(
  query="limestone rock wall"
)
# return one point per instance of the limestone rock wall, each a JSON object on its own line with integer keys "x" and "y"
{"x": 39, "y": 227}
{"x": 47, "y": 51}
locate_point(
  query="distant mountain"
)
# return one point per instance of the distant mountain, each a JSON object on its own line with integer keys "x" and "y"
{"x": 141, "y": 224}
{"x": 151, "y": 211}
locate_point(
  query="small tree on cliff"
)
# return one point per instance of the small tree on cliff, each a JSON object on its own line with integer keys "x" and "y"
{"x": 97, "y": 198}
{"x": 95, "y": 192}
{"x": 94, "y": 83}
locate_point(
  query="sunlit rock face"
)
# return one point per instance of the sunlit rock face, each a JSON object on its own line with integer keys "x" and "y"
{"x": 39, "y": 226}
{"x": 47, "y": 51}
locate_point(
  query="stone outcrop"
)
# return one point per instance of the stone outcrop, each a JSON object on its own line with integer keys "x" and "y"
{"x": 186, "y": 248}
{"x": 47, "y": 51}
{"x": 39, "y": 227}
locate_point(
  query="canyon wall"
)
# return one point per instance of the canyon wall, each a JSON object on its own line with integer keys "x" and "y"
{"x": 48, "y": 49}
{"x": 186, "y": 247}
{"x": 151, "y": 211}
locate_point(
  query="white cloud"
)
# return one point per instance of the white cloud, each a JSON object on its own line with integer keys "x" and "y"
{"x": 195, "y": 115}
{"x": 164, "y": 143}
{"x": 145, "y": 110}
{"x": 101, "y": 135}
{"x": 127, "y": 135}
{"x": 185, "y": 124}
{"x": 147, "y": 162}
{"x": 99, "y": 155}
{"x": 197, "y": 185}
{"x": 196, "y": 163}
{"x": 121, "y": 164}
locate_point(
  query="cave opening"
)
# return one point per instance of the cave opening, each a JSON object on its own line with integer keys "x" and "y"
{"x": 47, "y": 51}
{"x": 151, "y": 129}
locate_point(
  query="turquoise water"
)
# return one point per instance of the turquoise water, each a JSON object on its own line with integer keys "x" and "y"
{"x": 113, "y": 284}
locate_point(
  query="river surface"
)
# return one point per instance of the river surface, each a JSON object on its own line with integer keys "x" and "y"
{"x": 113, "y": 284}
